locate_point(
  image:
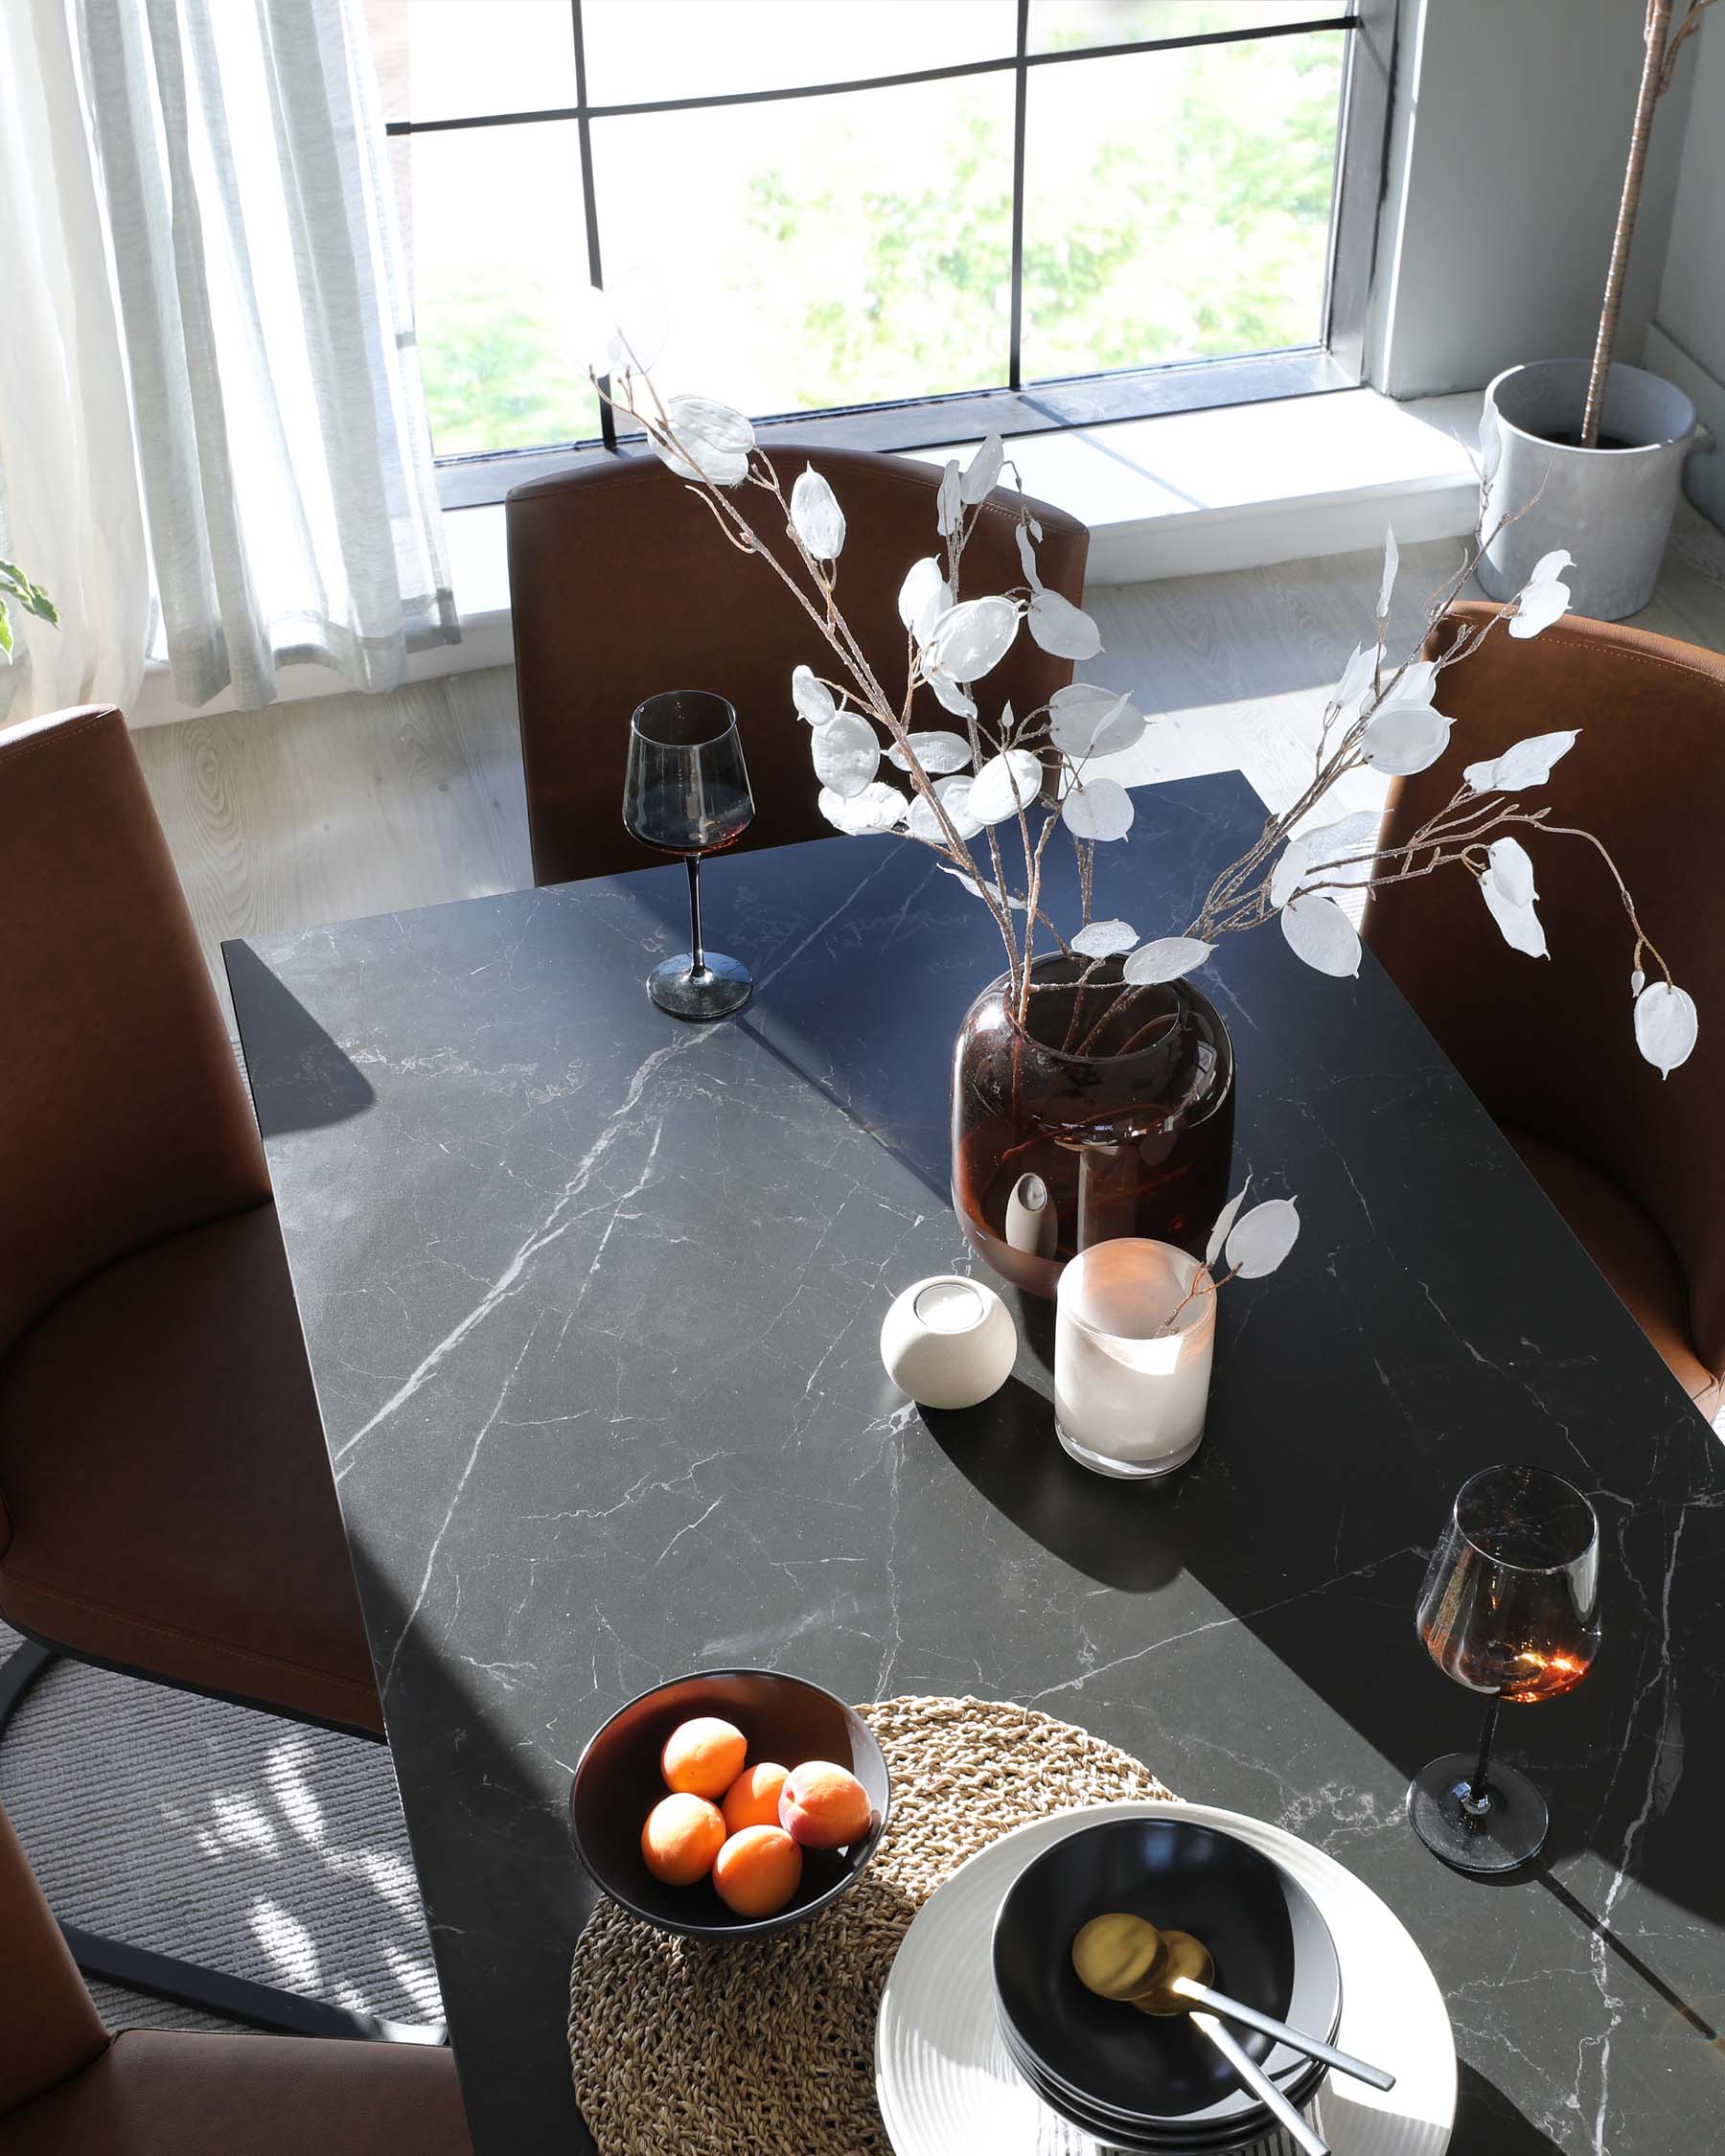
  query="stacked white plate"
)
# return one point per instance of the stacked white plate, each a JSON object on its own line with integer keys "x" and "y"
{"x": 947, "y": 2087}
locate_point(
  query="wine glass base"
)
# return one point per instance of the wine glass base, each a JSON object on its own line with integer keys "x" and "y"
{"x": 722, "y": 987}
{"x": 1507, "y": 1829}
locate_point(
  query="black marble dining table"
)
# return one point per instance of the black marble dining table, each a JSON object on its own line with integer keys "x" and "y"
{"x": 592, "y": 1301}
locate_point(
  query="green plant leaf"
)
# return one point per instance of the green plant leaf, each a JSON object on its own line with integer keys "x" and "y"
{"x": 5, "y": 629}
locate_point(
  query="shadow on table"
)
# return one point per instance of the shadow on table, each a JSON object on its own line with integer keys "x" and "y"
{"x": 511, "y": 1896}
{"x": 1125, "y": 1537}
{"x": 312, "y": 1082}
{"x": 1485, "y": 2119}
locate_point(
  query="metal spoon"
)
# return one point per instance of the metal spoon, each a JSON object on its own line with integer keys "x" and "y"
{"x": 1126, "y": 1958}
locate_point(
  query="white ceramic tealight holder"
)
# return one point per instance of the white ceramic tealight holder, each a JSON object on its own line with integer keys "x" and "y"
{"x": 949, "y": 1341}
{"x": 1129, "y": 1399}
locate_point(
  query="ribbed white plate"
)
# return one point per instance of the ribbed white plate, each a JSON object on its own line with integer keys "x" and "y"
{"x": 947, "y": 2087}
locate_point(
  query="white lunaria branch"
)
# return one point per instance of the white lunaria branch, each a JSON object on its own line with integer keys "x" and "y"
{"x": 1544, "y": 598}
{"x": 1087, "y": 719}
{"x": 812, "y": 698}
{"x": 976, "y": 888}
{"x": 1401, "y": 739}
{"x": 937, "y": 752}
{"x": 952, "y": 697}
{"x": 976, "y": 481}
{"x": 1527, "y": 763}
{"x": 1521, "y": 926}
{"x": 1318, "y": 932}
{"x": 971, "y": 638}
{"x": 1168, "y": 958}
{"x": 1004, "y": 785}
{"x": 815, "y": 515}
{"x": 1389, "y": 719}
{"x": 1063, "y": 630}
{"x": 713, "y": 440}
{"x": 1105, "y": 940}
{"x": 1259, "y": 1240}
{"x": 876, "y": 809}
{"x": 1225, "y": 1220}
{"x": 949, "y": 502}
{"x": 1354, "y": 837}
{"x": 1356, "y": 676}
{"x": 1665, "y": 1025}
{"x": 1511, "y": 870}
{"x": 954, "y": 796}
{"x": 1098, "y": 808}
{"x": 1289, "y": 872}
{"x": 846, "y": 753}
{"x": 924, "y": 596}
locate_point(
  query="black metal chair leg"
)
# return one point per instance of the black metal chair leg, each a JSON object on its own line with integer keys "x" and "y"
{"x": 213, "y": 1991}
{"x": 17, "y": 1673}
{"x": 261, "y": 2005}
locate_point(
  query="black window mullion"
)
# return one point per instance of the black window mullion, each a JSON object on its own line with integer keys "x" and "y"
{"x": 590, "y": 202}
{"x": 1021, "y": 98}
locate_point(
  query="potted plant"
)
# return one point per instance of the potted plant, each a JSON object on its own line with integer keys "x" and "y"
{"x": 1093, "y": 1080}
{"x": 1590, "y": 454}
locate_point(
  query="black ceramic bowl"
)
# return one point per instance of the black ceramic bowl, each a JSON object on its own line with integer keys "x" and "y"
{"x": 1272, "y": 1949}
{"x": 1244, "y": 2130}
{"x": 617, "y": 1782}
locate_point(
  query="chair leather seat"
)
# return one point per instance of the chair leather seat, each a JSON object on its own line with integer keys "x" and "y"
{"x": 169, "y": 2093}
{"x": 1627, "y": 1246}
{"x": 166, "y": 1484}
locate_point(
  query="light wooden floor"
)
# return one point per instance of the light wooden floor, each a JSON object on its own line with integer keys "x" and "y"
{"x": 351, "y": 804}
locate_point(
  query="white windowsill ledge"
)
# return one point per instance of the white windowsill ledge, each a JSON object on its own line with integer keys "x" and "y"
{"x": 1235, "y": 487}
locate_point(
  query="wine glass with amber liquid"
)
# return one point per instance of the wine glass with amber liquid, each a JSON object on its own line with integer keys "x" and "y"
{"x": 1510, "y": 1609}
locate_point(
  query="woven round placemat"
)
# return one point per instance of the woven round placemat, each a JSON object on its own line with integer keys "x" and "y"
{"x": 683, "y": 2048}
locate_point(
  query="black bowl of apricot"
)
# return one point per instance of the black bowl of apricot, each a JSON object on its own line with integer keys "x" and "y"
{"x": 713, "y": 1806}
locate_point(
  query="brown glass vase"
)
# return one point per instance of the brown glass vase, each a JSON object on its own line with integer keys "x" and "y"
{"x": 1117, "y": 1103}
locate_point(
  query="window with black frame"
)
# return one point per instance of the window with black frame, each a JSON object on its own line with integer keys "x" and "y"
{"x": 933, "y": 214}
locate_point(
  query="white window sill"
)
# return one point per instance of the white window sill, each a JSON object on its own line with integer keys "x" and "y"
{"x": 1234, "y": 488}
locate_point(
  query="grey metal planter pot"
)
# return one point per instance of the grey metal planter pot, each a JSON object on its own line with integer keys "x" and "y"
{"x": 1611, "y": 508}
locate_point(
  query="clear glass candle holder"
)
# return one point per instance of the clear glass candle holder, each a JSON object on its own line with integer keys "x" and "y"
{"x": 1130, "y": 1396}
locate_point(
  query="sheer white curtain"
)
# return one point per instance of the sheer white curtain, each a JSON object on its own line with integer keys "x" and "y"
{"x": 69, "y": 512}
{"x": 281, "y": 434}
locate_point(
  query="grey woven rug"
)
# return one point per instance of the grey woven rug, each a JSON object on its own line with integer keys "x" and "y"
{"x": 230, "y": 1838}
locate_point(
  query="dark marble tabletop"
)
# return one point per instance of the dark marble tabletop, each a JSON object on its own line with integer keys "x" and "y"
{"x": 592, "y": 1302}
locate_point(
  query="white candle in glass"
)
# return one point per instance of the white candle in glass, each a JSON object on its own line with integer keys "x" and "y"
{"x": 1130, "y": 1399}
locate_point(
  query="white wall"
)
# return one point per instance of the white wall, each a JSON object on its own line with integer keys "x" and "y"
{"x": 1685, "y": 341}
{"x": 1515, "y": 118}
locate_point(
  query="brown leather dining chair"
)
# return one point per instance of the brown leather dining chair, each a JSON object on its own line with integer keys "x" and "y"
{"x": 1635, "y": 1164}
{"x": 621, "y": 584}
{"x": 69, "y": 2087}
{"x": 166, "y": 1503}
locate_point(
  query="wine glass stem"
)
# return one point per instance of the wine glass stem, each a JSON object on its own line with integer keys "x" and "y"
{"x": 1476, "y": 1789}
{"x": 696, "y": 955}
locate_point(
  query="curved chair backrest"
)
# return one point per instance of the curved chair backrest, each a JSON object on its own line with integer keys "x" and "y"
{"x": 621, "y": 584}
{"x": 49, "y": 2027}
{"x": 125, "y": 1118}
{"x": 1549, "y": 1044}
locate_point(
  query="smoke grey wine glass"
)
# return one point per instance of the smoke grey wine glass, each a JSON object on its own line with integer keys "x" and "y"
{"x": 686, "y": 791}
{"x": 1510, "y": 1609}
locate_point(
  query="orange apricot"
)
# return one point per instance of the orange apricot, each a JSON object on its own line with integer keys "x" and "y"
{"x": 758, "y": 1870}
{"x": 823, "y": 1807}
{"x": 682, "y": 1835}
{"x": 703, "y": 1757}
{"x": 752, "y": 1799}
